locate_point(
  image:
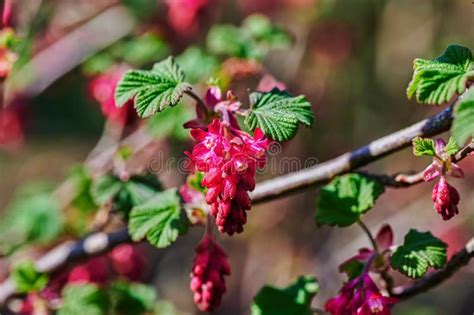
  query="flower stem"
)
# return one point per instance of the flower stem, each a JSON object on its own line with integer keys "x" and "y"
{"x": 199, "y": 101}
{"x": 369, "y": 234}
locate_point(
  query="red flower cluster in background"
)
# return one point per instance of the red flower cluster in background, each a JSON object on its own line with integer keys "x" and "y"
{"x": 207, "y": 276}
{"x": 124, "y": 261}
{"x": 183, "y": 14}
{"x": 102, "y": 89}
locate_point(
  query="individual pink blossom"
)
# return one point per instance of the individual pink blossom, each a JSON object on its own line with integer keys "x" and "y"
{"x": 194, "y": 204}
{"x": 446, "y": 199}
{"x": 383, "y": 240}
{"x": 128, "y": 261}
{"x": 183, "y": 14}
{"x": 102, "y": 89}
{"x": 95, "y": 270}
{"x": 229, "y": 157}
{"x": 442, "y": 164}
{"x": 207, "y": 275}
{"x": 360, "y": 296}
{"x": 268, "y": 83}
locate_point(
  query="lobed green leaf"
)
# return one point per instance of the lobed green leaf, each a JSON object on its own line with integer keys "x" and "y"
{"x": 278, "y": 114}
{"x": 152, "y": 90}
{"x": 346, "y": 198}
{"x": 160, "y": 219}
{"x": 125, "y": 194}
{"x": 463, "y": 122}
{"x": 437, "y": 81}
{"x": 295, "y": 299}
{"x": 27, "y": 279}
{"x": 81, "y": 299}
{"x": 423, "y": 146}
{"x": 418, "y": 252}
{"x": 451, "y": 147}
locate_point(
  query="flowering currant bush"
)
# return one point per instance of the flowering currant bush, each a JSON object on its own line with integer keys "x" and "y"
{"x": 74, "y": 250}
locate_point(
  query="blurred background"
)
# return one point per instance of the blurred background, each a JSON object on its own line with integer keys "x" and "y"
{"x": 352, "y": 59}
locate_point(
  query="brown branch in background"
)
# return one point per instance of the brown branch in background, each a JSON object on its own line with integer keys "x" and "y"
{"x": 68, "y": 52}
{"x": 459, "y": 260}
{"x": 322, "y": 173}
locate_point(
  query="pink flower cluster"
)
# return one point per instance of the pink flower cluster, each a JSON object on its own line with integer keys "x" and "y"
{"x": 360, "y": 296}
{"x": 229, "y": 158}
{"x": 445, "y": 197}
{"x": 207, "y": 276}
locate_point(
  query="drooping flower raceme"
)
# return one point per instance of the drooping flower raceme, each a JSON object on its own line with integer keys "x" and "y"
{"x": 207, "y": 275}
{"x": 360, "y": 296}
{"x": 445, "y": 197}
{"x": 229, "y": 157}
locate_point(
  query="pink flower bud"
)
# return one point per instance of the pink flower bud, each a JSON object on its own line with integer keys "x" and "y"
{"x": 445, "y": 198}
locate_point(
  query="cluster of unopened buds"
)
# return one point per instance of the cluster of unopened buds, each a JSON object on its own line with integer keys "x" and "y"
{"x": 207, "y": 275}
{"x": 445, "y": 197}
{"x": 360, "y": 295}
{"x": 229, "y": 158}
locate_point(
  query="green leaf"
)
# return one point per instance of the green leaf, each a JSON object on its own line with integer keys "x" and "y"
{"x": 160, "y": 219}
{"x": 131, "y": 298}
{"x": 27, "y": 279}
{"x": 97, "y": 64}
{"x": 140, "y": 50}
{"x": 293, "y": 300}
{"x": 82, "y": 183}
{"x": 437, "y": 81}
{"x": 152, "y": 90}
{"x": 278, "y": 113}
{"x": 261, "y": 29}
{"x": 463, "y": 123}
{"x": 418, "y": 252}
{"x": 197, "y": 64}
{"x": 227, "y": 40}
{"x": 33, "y": 216}
{"x": 252, "y": 40}
{"x": 451, "y": 147}
{"x": 125, "y": 195}
{"x": 423, "y": 146}
{"x": 346, "y": 198}
{"x": 81, "y": 299}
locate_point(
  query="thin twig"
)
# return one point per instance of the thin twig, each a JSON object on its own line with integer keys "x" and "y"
{"x": 199, "y": 101}
{"x": 407, "y": 180}
{"x": 369, "y": 235}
